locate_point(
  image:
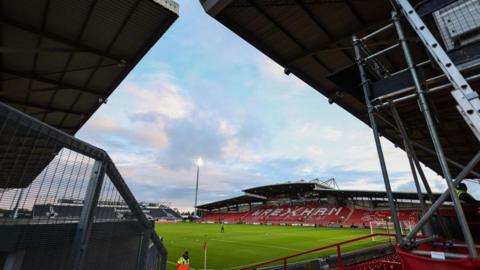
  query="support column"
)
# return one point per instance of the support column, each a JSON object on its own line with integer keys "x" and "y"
{"x": 82, "y": 234}
{"x": 434, "y": 136}
{"x": 371, "y": 115}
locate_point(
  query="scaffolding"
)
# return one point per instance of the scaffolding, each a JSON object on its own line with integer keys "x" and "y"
{"x": 458, "y": 24}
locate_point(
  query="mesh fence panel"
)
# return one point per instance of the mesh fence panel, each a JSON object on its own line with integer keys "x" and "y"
{"x": 45, "y": 181}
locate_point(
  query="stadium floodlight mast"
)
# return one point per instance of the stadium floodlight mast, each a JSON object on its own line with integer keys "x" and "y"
{"x": 199, "y": 163}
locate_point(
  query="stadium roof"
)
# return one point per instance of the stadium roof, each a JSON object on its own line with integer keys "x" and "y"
{"x": 262, "y": 194}
{"x": 242, "y": 199}
{"x": 375, "y": 194}
{"x": 302, "y": 187}
{"x": 291, "y": 188}
{"x": 313, "y": 40}
{"x": 60, "y": 60}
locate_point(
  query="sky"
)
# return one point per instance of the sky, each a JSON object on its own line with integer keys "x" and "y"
{"x": 203, "y": 91}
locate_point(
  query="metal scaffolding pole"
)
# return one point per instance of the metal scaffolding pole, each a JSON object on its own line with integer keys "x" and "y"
{"x": 400, "y": 127}
{"x": 434, "y": 136}
{"x": 428, "y": 228}
{"x": 371, "y": 115}
{"x": 426, "y": 149}
{"x": 443, "y": 197}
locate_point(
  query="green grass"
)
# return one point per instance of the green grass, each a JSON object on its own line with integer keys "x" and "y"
{"x": 242, "y": 245}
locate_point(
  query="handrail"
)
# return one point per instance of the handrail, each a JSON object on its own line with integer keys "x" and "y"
{"x": 337, "y": 245}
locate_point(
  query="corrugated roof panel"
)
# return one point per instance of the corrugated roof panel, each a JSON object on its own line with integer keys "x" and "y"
{"x": 62, "y": 56}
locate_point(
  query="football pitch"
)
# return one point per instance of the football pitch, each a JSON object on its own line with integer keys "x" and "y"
{"x": 242, "y": 245}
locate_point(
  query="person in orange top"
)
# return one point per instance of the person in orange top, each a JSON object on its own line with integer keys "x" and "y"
{"x": 183, "y": 262}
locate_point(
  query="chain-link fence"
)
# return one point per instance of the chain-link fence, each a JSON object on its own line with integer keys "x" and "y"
{"x": 64, "y": 205}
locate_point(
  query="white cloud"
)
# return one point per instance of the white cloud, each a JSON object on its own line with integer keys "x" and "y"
{"x": 158, "y": 93}
{"x": 272, "y": 73}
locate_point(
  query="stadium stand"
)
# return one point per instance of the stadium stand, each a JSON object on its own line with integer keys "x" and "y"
{"x": 389, "y": 262}
{"x": 357, "y": 208}
{"x": 160, "y": 213}
{"x": 321, "y": 215}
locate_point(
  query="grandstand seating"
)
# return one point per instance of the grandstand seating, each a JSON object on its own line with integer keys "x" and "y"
{"x": 390, "y": 262}
{"x": 225, "y": 217}
{"x": 362, "y": 217}
{"x": 327, "y": 214}
{"x": 324, "y": 215}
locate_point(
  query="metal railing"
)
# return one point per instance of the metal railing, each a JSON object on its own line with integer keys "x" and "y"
{"x": 64, "y": 204}
{"x": 337, "y": 246}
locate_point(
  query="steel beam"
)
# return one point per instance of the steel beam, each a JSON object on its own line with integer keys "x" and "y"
{"x": 373, "y": 124}
{"x": 84, "y": 227}
{"x": 423, "y": 103}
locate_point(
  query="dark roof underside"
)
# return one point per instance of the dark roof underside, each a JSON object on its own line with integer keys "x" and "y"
{"x": 242, "y": 199}
{"x": 290, "y": 188}
{"x": 61, "y": 59}
{"x": 374, "y": 194}
{"x": 313, "y": 39}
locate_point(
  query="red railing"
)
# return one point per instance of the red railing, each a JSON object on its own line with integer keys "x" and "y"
{"x": 338, "y": 245}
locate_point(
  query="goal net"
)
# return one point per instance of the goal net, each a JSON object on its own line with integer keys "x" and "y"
{"x": 381, "y": 227}
{"x": 388, "y": 228}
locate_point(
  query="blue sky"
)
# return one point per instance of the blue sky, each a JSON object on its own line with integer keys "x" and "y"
{"x": 203, "y": 91}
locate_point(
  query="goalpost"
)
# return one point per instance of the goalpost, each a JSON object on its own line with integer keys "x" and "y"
{"x": 381, "y": 227}
{"x": 388, "y": 227}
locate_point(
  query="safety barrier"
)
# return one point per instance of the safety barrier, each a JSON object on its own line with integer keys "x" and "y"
{"x": 64, "y": 204}
{"x": 337, "y": 246}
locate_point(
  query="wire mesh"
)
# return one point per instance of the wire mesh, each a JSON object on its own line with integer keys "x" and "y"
{"x": 39, "y": 176}
{"x": 459, "y": 23}
{"x": 44, "y": 192}
{"x": 111, "y": 206}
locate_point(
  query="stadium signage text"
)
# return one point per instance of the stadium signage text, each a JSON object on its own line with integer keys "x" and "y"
{"x": 302, "y": 211}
